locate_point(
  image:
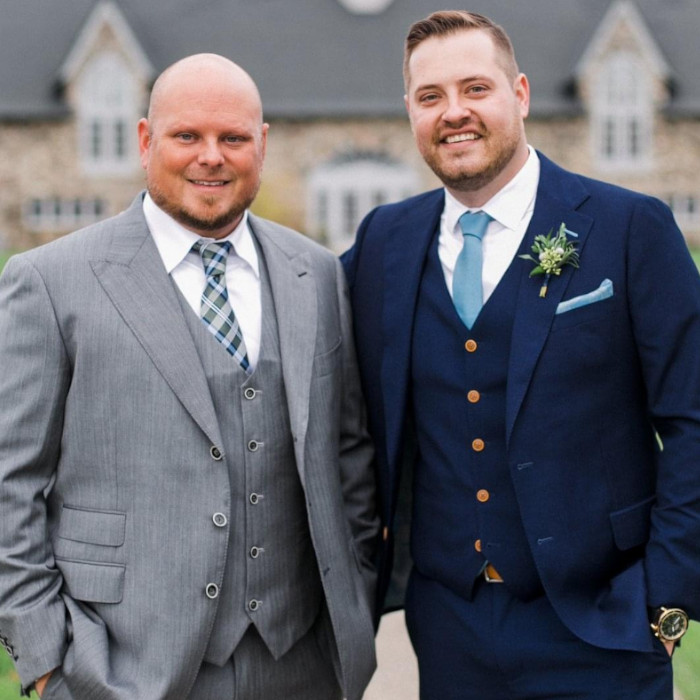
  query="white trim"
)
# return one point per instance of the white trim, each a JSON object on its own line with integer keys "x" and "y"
{"x": 623, "y": 11}
{"x": 106, "y": 12}
{"x": 365, "y": 7}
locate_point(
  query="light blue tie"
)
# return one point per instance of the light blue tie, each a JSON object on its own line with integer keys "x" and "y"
{"x": 466, "y": 284}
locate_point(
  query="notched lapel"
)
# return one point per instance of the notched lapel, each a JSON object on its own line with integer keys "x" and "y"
{"x": 534, "y": 314}
{"x": 294, "y": 294}
{"x": 406, "y": 247}
{"x": 136, "y": 282}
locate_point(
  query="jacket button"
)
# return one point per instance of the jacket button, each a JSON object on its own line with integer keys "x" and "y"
{"x": 250, "y": 393}
{"x": 219, "y": 519}
{"x": 253, "y": 605}
{"x": 470, "y": 345}
{"x": 212, "y": 591}
{"x": 215, "y": 453}
{"x": 253, "y": 445}
{"x": 482, "y": 495}
{"x": 477, "y": 545}
{"x": 255, "y": 552}
{"x": 478, "y": 445}
{"x": 473, "y": 396}
{"x": 254, "y": 498}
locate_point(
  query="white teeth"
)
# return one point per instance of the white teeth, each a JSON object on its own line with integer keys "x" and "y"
{"x": 206, "y": 183}
{"x": 461, "y": 137}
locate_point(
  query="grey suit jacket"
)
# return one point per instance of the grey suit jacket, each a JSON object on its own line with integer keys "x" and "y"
{"x": 111, "y": 467}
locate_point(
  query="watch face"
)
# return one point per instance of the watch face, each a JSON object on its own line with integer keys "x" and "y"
{"x": 672, "y": 625}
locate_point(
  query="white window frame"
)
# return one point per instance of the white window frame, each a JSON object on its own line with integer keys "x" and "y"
{"x": 56, "y": 214}
{"x": 107, "y": 107}
{"x": 623, "y": 114}
{"x": 341, "y": 192}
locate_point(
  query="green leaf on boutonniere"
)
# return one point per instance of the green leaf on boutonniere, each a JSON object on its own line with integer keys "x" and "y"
{"x": 552, "y": 253}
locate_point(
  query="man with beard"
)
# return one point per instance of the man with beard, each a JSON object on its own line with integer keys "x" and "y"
{"x": 186, "y": 489}
{"x": 528, "y": 339}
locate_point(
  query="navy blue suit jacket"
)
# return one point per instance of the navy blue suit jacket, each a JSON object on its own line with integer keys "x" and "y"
{"x": 612, "y": 520}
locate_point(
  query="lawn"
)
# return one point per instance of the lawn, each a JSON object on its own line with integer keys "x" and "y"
{"x": 686, "y": 662}
{"x": 3, "y": 258}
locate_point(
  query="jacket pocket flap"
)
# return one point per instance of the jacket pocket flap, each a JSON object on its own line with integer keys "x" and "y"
{"x": 631, "y": 525}
{"x": 92, "y": 526}
{"x": 92, "y": 582}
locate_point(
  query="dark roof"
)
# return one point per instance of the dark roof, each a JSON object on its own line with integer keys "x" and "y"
{"x": 314, "y": 58}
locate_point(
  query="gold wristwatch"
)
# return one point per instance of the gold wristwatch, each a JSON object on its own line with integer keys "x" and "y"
{"x": 669, "y": 624}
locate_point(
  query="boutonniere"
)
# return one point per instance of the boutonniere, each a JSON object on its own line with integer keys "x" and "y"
{"x": 551, "y": 254}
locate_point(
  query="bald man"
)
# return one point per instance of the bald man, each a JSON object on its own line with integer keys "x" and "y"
{"x": 185, "y": 477}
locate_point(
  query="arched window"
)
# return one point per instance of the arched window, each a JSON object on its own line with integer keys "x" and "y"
{"x": 342, "y": 191}
{"x": 107, "y": 105}
{"x": 622, "y": 113}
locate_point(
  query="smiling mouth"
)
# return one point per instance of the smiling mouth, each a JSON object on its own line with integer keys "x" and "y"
{"x": 210, "y": 183}
{"x": 458, "y": 138}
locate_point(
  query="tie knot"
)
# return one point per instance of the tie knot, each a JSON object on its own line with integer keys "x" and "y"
{"x": 213, "y": 256}
{"x": 474, "y": 223}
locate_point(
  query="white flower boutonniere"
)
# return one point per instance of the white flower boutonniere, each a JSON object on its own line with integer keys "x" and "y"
{"x": 552, "y": 253}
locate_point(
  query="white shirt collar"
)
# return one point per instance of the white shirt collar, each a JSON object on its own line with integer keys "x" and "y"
{"x": 509, "y": 205}
{"x": 174, "y": 241}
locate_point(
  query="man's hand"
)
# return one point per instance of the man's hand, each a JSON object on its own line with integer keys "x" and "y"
{"x": 669, "y": 647}
{"x": 41, "y": 683}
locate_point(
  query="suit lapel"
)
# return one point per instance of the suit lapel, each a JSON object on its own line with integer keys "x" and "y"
{"x": 134, "y": 278}
{"x": 407, "y": 243}
{"x": 559, "y": 194}
{"x": 293, "y": 289}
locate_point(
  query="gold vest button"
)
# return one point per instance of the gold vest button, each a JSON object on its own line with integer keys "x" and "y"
{"x": 477, "y": 545}
{"x": 478, "y": 445}
{"x": 473, "y": 396}
{"x": 482, "y": 495}
{"x": 470, "y": 345}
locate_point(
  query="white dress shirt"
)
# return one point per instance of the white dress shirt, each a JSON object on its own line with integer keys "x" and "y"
{"x": 510, "y": 209}
{"x": 174, "y": 243}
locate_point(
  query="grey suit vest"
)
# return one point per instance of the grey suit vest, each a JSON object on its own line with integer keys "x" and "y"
{"x": 271, "y": 578}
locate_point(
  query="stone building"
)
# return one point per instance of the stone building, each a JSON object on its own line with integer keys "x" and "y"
{"x": 616, "y": 95}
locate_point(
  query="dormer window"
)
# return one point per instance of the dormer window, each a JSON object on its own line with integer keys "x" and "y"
{"x": 107, "y": 106}
{"x": 622, "y": 112}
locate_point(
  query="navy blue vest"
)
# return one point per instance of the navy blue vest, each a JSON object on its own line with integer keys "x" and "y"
{"x": 465, "y": 510}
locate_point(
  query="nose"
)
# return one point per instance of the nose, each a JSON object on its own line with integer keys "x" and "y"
{"x": 456, "y": 111}
{"x": 210, "y": 153}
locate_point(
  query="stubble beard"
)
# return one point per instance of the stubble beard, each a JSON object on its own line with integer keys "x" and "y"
{"x": 466, "y": 177}
{"x": 199, "y": 223}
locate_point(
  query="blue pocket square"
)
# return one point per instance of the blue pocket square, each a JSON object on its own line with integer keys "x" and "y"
{"x": 605, "y": 291}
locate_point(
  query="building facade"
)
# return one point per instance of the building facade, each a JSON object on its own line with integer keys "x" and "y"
{"x": 615, "y": 96}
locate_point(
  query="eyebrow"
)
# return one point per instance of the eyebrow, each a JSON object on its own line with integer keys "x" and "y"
{"x": 462, "y": 81}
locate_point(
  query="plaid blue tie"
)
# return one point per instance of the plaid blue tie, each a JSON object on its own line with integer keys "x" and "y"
{"x": 216, "y": 312}
{"x": 467, "y": 292}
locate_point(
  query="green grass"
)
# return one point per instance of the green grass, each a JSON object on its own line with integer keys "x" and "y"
{"x": 686, "y": 664}
{"x": 4, "y": 255}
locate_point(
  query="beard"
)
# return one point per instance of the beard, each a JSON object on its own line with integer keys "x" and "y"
{"x": 200, "y": 221}
{"x": 470, "y": 176}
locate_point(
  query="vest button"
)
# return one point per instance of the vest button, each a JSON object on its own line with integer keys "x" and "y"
{"x": 219, "y": 519}
{"x": 473, "y": 396}
{"x": 478, "y": 445}
{"x": 482, "y": 495}
{"x": 253, "y": 445}
{"x": 253, "y": 605}
{"x": 215, "y": 453}
{"x": 470, "y": 345}
{"x": 477, "y": 545}
{"x": 212, "y": 591}
{"x": 250, "y": 393}
{"x": 255, "y": 552}
{"x": 254, "y": 498}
